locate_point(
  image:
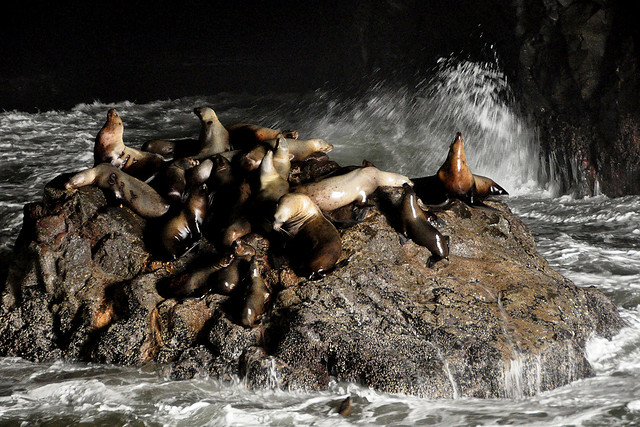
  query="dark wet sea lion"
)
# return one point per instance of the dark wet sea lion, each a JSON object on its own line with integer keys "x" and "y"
{"x": 184, "y": 230}
{"x": 109, "y": 147}
{"x": 136, "y": 194}
{"x": 258, "y": 296}
{"x": 417, "y": 227}
{"x": 198, "y": 282}
{"x": 315, "y": 244}
{"x": 172, "y": 181}
{"x": 487, "y": 187}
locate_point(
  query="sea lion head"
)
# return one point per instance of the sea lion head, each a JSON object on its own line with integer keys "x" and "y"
{"x": 205, "y": 114}
{"x": 293, "y": 210}
{"x": 322, "y": 145}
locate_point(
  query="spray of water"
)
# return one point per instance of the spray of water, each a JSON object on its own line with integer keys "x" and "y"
{"x": 409, "y": 130}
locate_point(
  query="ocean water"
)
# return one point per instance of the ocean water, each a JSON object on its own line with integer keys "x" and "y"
{"x": 592, "y": 241}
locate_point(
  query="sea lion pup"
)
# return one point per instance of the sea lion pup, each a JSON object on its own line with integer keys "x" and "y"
{"x": 182, "y": 232}
{"x": 454, "y": 179}
{"x": 258, "y": 296}
{"x": 356, "y": 185}
{"x": 417, "y": 227}
{"x": 315, "y": 244}
{"x": 300, "y": 149}
{"x": 243, "y": 136}
{"x": 109, "y": 147}
{"x": 136, "y": 194}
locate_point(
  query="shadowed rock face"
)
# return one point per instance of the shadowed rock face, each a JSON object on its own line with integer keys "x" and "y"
{"x": 492, "y": 320}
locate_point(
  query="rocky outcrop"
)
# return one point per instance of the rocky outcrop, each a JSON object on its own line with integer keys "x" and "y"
{"x": 492, "y": 320}
{"x": 578, "y": 74}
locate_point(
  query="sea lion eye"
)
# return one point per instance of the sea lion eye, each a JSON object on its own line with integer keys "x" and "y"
{"x": 210, "y": 122}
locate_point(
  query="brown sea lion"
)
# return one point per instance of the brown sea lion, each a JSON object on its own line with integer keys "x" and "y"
{"x": 109, "y": 147}
{"x": 136, "y": 194}
{"x": 337, "y": 191}
{"x": 454, "y": 179}
{"x": 227, "y": 279}
{"x": 184, "y": 230}
{"x": 243, "y": 136}
{"x": 345, "y": 407}
{"x": 172, "y": 181}
{"x": 487, "y": 187}
{"x": 198, "y": 282}
{"x": 315, "y": 244}
{"x": 417, "y": 227}
{"x": 258, "y": 296}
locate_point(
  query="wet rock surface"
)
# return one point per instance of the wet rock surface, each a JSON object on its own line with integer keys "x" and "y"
{"x": 492, "y": 320}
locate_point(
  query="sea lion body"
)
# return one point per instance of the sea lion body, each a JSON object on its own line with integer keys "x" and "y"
{"x": 316, "y": 245}
{"x": 243, "y": 136}
{"x": 417, "y": 227}
{"x": 214, "y": 137}
{"x": 173, "y": 178}
{"x": 138, "y": 195}
{"x": 300, "y": 149}
{"x": 109, "y": 147}
{"x": 198, "y": 282}
{"x": 272, "y": 185}
{"x": 282, "y": 158}
{"x": 356, "y": 185}
{"x": 487, "y": 187}
{"x": 454, "y": 172}
{"x": 184, "y": 230}
{"x": 258, "y": 296}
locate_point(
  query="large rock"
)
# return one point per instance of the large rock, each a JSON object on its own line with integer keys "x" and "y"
{"x": 492, "y": 320}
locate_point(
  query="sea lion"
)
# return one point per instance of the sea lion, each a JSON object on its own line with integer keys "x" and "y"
{"x": 196, "y": 283}
{"x": 345, "y": 407}
{"x": 184, "y": 230}
{"x": 282, "y": 157}
{"x": 300, "y": 149}
{"x": 213, "y": 139}
{"x": 136, "y": 194}
{"x": 243, "y": 136}
{"x": 315, "y": 244}
{"x": 272, "y": 185}
{"x": 172, "y": 179}
{"x": 109, "y": 147}
{"x": 227, "y": 279}
{"x": 417, "y": 227}
{"x": 454, "y": 179}
{"x": 258, "y": 296}
{"x": 487, "y": 187}
{"x": 356, "y": 185}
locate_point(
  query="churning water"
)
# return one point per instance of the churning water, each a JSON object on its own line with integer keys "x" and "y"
{"x": 592, "y": 241}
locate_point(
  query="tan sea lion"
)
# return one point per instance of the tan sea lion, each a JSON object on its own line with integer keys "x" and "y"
{"x": 213, "y": 139}
{"x": 315, "y": 244}
{"x": 282, "y": 157}
{"x": 136, "y": 194}
{"x": 258, "y": 296}
{"x": 417, "y": 227}
{"x": 454, "y": 172}
{"x": 337, "y": 191}
{"x": 272, "y": 185}
{"x": 109, "y": 147}
{"x": 184, "y": 230}
{"x": 300, "y": 149}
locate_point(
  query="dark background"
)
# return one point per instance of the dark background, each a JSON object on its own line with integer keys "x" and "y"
{"x": 56, "y": 56}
